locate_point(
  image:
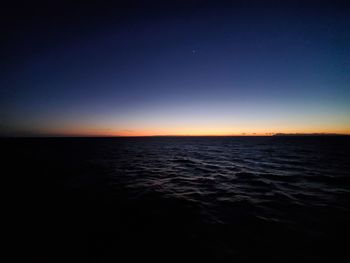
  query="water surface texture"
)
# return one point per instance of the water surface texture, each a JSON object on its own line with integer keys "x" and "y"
{"x": 227, "y": 199}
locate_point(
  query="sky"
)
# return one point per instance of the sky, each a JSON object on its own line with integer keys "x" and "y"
{"x": 136, "y": 68}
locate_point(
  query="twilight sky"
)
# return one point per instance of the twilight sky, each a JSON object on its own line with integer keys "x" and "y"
{"x": 175, "y": 68}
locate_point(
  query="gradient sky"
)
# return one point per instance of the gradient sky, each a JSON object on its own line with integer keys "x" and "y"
{"x": 190, "y": 68}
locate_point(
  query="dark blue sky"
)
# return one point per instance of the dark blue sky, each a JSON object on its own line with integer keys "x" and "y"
{"x": 197, "y": 67}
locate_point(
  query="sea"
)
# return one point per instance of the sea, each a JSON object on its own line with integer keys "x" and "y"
{"x": 177, "y": 199}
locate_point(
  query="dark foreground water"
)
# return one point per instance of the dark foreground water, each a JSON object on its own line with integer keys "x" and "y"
{"x": 224, "y": 199}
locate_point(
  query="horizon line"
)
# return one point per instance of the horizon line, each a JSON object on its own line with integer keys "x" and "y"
{"x": 192, "y": 135}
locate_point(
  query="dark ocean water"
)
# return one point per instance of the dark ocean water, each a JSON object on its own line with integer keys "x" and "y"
{"x": 224, "y": 199}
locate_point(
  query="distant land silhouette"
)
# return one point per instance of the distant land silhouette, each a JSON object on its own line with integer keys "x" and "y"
{"x": 310, "y": 134}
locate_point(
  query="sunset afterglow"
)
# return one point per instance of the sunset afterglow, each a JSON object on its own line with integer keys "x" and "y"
{"x": 215, "y": 71}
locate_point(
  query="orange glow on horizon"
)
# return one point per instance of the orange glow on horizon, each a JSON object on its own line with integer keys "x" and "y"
{"x": 107, "y": 132}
